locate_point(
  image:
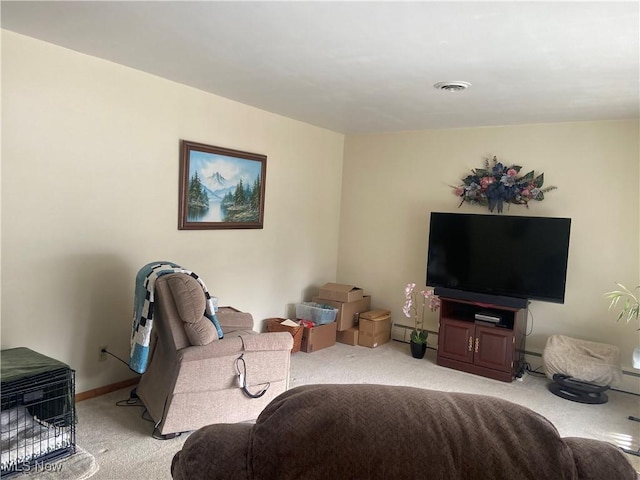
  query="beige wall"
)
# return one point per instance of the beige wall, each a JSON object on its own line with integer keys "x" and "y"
{"x": 391, "y": 183}
{"x": 90, "y": 190}
{"x": 90, "y": 184}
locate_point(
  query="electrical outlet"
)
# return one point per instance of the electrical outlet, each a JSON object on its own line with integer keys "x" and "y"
{"x": 102, "y": 353}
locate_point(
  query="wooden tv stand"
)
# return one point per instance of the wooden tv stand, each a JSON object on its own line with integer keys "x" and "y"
{"x": 491, "y": 350}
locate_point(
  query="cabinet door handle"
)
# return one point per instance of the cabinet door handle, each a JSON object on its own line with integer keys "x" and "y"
{"x": 477, "y": 344}
{"x": 470, "y": 343}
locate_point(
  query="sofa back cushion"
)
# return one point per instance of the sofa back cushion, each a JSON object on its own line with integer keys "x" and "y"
{"x": 589, "y": 453}
{"x": 389, "y": 432}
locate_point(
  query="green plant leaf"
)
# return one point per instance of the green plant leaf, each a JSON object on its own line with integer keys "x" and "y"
{"x": 630, "y": 309}
{"x": 528, "y": 177}
{"x": 469, "y": 179}
{"x": 419, "y": 337}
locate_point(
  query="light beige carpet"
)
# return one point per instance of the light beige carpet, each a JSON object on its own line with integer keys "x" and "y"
{"x": 123, "y": 447}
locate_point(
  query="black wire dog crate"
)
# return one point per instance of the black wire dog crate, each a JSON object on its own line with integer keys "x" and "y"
{"x": 38, "y": 422}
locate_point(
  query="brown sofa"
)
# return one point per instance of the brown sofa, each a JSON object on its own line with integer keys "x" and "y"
{"x": 384, "y": 432}
{"x": 192, "y": 376}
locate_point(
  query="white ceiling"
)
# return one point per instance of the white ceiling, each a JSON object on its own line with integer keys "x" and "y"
{"x": 370, "y": 66}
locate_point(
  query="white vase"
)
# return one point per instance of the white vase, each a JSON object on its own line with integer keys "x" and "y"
{"x": 636, "y": 357}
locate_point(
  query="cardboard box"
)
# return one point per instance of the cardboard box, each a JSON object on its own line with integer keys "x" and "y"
{"x": 348, "y": 312}
{"x": 374, "y": 328}
{"x": 350, "y": 336}
{"x": 340, "y": 293}
{"x": 319, "y": 337}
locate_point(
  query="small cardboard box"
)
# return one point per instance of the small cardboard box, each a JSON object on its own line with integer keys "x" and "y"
{"x": 348, "y": 312}
{"x": 340, "y": 293}
{"x": 374, "y": 328}
{"x": 319, "y": 337}
{"x": 350, "y": 336}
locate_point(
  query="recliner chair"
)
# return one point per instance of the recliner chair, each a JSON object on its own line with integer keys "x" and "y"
{"x": 193, "y": 378}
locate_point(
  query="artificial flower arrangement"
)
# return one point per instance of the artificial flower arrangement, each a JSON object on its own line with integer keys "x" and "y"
{"x": 413, "y": 302}
{"x": 495, "y": 184}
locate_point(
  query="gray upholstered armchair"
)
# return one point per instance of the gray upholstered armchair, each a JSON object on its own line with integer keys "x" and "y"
{"x": 192, "y": 378}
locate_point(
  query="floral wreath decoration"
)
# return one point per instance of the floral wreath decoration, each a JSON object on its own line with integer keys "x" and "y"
{"x": 495, "y": 184}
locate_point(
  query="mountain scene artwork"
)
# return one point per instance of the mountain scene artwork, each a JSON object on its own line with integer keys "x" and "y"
{"x": 223, "y": 188}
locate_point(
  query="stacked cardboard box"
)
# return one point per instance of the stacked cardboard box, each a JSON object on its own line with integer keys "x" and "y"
{"x": 374, "y": 328}
{"x": 348, "y": 336}
{"x": 350, "y": 302}
{"x": 317, "y": 338}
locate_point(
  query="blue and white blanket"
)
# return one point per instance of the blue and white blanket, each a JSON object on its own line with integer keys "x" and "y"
{"x": 143, "y": 310}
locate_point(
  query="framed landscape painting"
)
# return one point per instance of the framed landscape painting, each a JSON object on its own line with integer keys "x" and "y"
{"x": 220, "y": 188}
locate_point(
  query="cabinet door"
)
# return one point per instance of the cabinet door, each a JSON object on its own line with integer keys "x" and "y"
{"x": 455, "y": 340}
{"x": 493, "y": 348}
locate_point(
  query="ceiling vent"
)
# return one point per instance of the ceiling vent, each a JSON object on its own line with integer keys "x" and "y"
{"x": 452, "y": 86}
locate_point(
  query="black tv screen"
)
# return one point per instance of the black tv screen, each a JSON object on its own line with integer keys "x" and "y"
{"x": 521, "y": 257}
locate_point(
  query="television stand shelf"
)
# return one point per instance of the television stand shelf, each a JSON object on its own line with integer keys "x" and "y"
{"x": 493, "y": 350}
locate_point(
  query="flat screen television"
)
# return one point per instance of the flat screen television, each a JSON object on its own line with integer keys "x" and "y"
{"x": 484, "y": 257}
